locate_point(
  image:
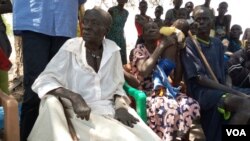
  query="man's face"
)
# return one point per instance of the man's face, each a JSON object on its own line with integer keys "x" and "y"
{"x": 204, "y": 23}
{"x": 94, "y": 29}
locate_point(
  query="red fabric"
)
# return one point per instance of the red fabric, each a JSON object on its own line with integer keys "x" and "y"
{"x": 139, "y": 28}
{"x": 5, "y": 63}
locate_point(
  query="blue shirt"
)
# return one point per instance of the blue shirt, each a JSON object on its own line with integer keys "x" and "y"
{"x": 50, "y": 17}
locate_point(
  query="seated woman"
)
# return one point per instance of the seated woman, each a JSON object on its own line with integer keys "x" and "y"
{"x": 167, "y": 116}
{"x": 82, "y": 92}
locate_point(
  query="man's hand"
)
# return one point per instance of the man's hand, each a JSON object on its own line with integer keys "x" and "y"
{"x": 125, "y": 117}
{"x": 81, "y": 109}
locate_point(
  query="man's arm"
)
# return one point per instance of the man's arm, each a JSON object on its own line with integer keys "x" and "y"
{"x": 132, "y": 81}
{"x": 81, "y": 109}
{"x": 140, "y": 20}
{"x": 206, "y": 82}
{"x": 237, "y": 71}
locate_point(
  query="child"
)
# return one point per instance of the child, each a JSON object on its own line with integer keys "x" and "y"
{"x": 158, "y": 13}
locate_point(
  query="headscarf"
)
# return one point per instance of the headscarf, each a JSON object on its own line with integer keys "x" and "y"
{"x": 160, "y": 77}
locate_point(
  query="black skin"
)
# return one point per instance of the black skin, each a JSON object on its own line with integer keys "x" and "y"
{"x": 189, "y": 6}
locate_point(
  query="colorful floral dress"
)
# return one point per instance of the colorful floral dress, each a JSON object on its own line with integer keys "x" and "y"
{"x": 116, "y": 33}
{"x": 167, "y": 116}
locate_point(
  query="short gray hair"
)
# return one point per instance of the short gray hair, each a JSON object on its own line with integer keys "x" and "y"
{"x": 106, "y": 17}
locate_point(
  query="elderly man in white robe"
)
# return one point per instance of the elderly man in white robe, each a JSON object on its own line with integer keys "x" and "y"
{"x": 85, "y": 80}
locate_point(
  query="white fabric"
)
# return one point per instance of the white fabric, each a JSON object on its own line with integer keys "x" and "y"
{"x": 69, "y": 69}
{"x": 51, "y": 125}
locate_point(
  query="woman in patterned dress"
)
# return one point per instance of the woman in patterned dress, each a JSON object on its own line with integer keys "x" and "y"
{"x": 169, "y": 117}
{"x": 116, "y": 33}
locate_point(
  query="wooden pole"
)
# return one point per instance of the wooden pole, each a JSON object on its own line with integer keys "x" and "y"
{"x": 72, "y": 130}
{"x": 203, "y": 58}
{"x": 215, "y": 85}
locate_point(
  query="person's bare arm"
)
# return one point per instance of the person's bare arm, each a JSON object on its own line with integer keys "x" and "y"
{"x": 206, "y": 82}
{"x": 81, "y": 109}
{"x": 228, "y": 25}
{"x": 131, "y": 80}
{"x": 140, "y": 20}
{"x": 145, "y": 67}
{"x": 178, "y": 72}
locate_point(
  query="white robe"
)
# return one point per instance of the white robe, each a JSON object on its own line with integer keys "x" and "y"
{"x": 69, "y": 69}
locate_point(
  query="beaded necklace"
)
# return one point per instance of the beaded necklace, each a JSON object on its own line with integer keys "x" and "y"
{"x": 203, "y": 41}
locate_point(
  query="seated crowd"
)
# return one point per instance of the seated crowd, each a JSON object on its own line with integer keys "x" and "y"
{"x": 190, "y": 67}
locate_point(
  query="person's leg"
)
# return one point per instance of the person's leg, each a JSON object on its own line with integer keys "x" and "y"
{"x": 57, "y": 43}
{"x": 51, "y": 124}
{"x": 240, "y": 106}
{"x": 38, "y": 50}
{"x": 123, "y": 55}
{"x": 211, "y": 122}
{"x": 35, "y": 58}
{"x": 211, "y": 118}
{"x": 4, "y": 81}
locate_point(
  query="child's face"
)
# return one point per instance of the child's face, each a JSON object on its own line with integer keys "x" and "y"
{"x": 189, "y": 7}
{"x": 143, "y": 7}
{"x": 158, "y": 12}
{"x": 222, "y": 10}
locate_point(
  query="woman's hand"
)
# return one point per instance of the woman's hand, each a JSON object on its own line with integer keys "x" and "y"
{"x": 167, "y": 41}
{"x": 81, "y": 108}
{"x": 122, "y": 115}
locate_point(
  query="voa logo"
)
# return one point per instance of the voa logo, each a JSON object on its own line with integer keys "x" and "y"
{"x": 236, "y": 132}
